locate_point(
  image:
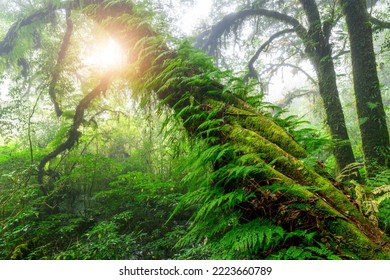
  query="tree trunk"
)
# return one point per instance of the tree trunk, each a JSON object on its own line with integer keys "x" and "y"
{"x": 334, "y": 112}
{"x": 320, "y": 53}
{"x": 369, "y": 105}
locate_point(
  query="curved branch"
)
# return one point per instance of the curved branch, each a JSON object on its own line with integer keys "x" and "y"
{"x": 379, "y": 24}
{"x": 309, "y": 77}
{"x": 9, "y": 41}
{"x": 252, "y": 71}
{"x": 290, "y": 96}
{"x": 73, "y": 133}
{"x": 60, "y": 61}
{"x": 229, "y": 20}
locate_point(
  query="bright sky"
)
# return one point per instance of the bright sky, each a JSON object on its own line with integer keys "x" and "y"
{"x": 193, "y": 17}
{"x": 283, "y": 82}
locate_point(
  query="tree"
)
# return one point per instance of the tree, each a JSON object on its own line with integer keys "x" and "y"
{"x": 253, "y": 157}
{"x": 369, "y": 104}
{"x": 315, "y": 39}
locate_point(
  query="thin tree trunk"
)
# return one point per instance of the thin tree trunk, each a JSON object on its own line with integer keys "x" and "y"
{"x": 369, "y": 105}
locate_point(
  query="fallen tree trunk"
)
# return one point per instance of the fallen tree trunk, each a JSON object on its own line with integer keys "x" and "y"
{"x": 154, "y": 68}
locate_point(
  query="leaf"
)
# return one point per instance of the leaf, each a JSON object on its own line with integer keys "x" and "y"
{"x": 363, "y": 120}
{"x": 372, "y": 105}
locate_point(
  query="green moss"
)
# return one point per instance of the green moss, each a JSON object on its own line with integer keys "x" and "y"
{"x": 332, "y": 195}
{"x": 355, "y": 241}
{"x": 271, "y": 153}
{"x": 296, "y": 170}
{"x": 250, "y": 142}
{"x": 331, "y": 204}
{"x": 268, "y": 129}
{"x": 20, "y": 252}
{"x": 325, "y": 210}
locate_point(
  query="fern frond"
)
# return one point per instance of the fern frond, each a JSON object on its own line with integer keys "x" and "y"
{"x": 257, "y": 235}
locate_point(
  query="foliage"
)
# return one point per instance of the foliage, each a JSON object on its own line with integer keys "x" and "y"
{"x": 126, "y": 216}
{"x": 312, "y": 252}
{"x": 219, "y": 228}
{"x": 103, "y": 201}
{"x": 102, "y": 242}
{"x": 374, "y": 199}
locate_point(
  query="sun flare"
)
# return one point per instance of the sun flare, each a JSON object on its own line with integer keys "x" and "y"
{"x": 106, "y": 55}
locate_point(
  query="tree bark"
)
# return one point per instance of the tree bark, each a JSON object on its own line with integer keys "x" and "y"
{"x": 369, "y": 105}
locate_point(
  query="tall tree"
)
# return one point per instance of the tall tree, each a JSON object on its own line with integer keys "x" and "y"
{"x": 319, "y": 50}
{"x": 370, "y": 109}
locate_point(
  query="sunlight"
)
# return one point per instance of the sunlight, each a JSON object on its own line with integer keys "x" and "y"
{"x": 106, "y": 56}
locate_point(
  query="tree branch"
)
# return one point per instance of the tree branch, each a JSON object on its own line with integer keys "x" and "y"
{"x": 9, "y": 41}
{"x": 60, "y": 61}
{"x": 343, "y": 50}
{"x": 229, "y": 20}
{"x": 290, "y": 96}
{"x": 252, "y": 71}
{"x": 73, "y": 133}
{"x": 379, "y": 24}
{"x": 341, "y": 53}
{"x": 309, "y": 77}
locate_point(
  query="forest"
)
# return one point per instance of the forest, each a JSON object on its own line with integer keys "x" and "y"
{"x": 194, "y": 130}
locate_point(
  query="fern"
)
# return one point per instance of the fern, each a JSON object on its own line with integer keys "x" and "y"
{"x": 224, "y": 202}
{"x": 312, "y": 139}
{"x": 291, "y": 253}
{"x": 250, "y": 238}
{"x": 304, "y": 252}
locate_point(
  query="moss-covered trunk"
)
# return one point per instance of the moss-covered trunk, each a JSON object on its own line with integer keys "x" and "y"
{"x": 323, "y": 64}
{"x": 154, "y": 68}
{"x": 369, "y": 105}
{"x": 320, "y": 52}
